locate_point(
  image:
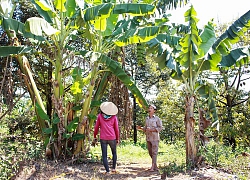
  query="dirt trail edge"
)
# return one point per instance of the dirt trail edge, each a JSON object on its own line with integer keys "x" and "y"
{"x": 85, "y": 171}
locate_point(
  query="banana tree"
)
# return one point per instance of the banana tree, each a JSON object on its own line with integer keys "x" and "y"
{"x": 189, "y": 52}
{"x": 62, "y": 21}
{"x": 6, "y": 11}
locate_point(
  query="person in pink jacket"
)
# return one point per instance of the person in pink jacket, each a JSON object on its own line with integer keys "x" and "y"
{"x": 107, "y": 123}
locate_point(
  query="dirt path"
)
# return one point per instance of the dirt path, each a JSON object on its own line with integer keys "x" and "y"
{"x": 94, "y": 171}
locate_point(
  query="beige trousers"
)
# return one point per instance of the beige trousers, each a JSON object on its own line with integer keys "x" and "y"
{"x": 153, "y": 150}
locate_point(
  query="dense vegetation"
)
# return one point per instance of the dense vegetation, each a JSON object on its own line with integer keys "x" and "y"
{"x": 58, "y": 67}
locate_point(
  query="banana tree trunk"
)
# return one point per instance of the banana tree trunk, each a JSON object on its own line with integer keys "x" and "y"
{"x": 32, "y": 89}
{"x": 100, "y": 89}
{"x": 191, "y": 149}
{"x": 83, "y": 121}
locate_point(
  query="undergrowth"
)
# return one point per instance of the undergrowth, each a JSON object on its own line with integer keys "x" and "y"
{"x": 236, "y": 162}
{"x": 16, "y": 150}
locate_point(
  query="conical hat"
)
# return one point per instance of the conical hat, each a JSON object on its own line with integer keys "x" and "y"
{"x": 109, "y": 108}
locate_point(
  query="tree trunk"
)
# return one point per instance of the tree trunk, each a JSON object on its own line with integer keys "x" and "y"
{"x": 48, "y": 91}
{"x": 119, "y": 95}
{"x": 191, "y": 149}
{"x": 134, "y": 120}
{"x": 230, "y": 137}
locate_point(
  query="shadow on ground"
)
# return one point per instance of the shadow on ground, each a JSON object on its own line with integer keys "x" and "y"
{"x": 50, "y": 170}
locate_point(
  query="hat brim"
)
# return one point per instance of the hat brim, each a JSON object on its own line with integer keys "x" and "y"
{"x": 109, "y": 108}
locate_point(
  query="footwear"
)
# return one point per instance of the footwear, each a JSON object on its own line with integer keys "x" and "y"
{"x": 113, "y": 171}
{"x": 106, "y": 173}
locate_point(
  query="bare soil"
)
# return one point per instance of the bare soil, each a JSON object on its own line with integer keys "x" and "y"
{"x": 94, "y": 170}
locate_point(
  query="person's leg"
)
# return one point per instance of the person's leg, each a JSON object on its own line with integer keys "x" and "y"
{"x": 149, "y": 145}
{"x": 112, "y": 144}
{"x": 150, "y": 152}
{"x": 155, "y": 147}
{"x": 104, "y": 144}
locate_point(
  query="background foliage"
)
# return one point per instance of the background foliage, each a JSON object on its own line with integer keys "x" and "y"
{"x": 21, "y": 142}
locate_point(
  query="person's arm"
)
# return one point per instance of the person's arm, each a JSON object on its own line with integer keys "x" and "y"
{"x": 96, "y": 128}
{"x": 159, "y": 125}
{"x": 139, "y": 128}
{"x": 117, "y": 132}
{"x": 142, "y": 128}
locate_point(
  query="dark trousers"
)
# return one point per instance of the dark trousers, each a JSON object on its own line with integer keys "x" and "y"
{"x": 104, "y": 146}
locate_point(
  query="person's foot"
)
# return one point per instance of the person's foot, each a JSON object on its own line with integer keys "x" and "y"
{"x": 106, "y": 173}
{"x": 113, "y": 171}
{"x": 151, "y": 169}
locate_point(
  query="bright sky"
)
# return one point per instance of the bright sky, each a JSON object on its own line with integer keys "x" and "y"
{"x": 222, "y": 10}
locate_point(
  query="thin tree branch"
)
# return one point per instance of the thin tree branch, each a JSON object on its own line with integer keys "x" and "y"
{"x": 241, "y": 101}
{"x": 238, "y": 84}
{"x": 13, "y": 105}
{"x": 222, "y": 102}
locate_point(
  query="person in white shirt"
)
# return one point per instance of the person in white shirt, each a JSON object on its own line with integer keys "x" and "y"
{"x": 153, "y": 126}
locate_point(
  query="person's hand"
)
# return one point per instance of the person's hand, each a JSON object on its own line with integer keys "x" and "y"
{"x": 117, "y": 142}
{"x": 94, "y": 142}
{"x": 139, "y": 128}
{"x": 150, "y": 129}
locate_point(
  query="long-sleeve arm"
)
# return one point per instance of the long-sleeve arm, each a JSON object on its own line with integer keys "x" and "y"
{"x": 116, "y": 127}
{"x": 97, "y": 125}
{"x": 159, "y": 125}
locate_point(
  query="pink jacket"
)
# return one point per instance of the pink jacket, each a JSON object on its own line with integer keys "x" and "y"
{"x": 109, "y": 129}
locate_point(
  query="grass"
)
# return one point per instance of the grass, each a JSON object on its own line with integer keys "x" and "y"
{"x": 128, "y": 152}
{"x": 172, "y": 157}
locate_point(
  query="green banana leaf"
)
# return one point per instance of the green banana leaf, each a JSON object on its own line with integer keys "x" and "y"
{"x": 117, "y": 70}
{"x": 105, "y": 16}
{"x": 164, "y": 5}
{"x": 134, "y": 9}
{"x": 95, "y": 103}
{"x": 104, "y": 10}
{"x": 136, "y": 35}
{"x": 159, "y": 43}
{"x": 232, "y": 34}
{"x": 18, "y": 27}
{"x": 45, "y": 10}
{"x": 222, "y": 48}
{"x": 13, "y": 50}
{"x": 237, "y": 57}
{"x": 207, "y": 92}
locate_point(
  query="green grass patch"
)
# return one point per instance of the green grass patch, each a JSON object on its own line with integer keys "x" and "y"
{"x": 128, "y": 152}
